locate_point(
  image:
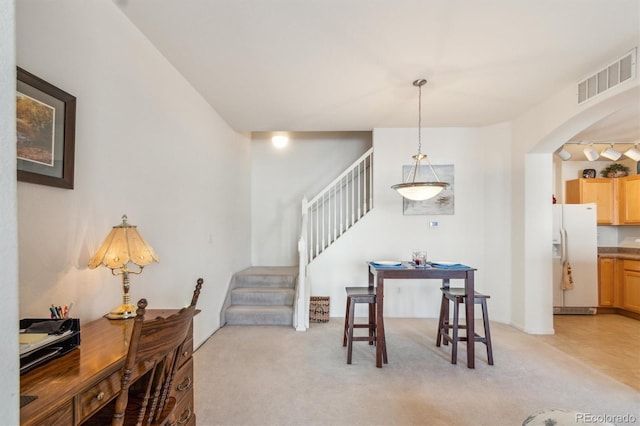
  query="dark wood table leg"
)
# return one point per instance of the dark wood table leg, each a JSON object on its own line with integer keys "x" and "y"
{"x": 381, "y": 339}
{"x": 470, "y": 319}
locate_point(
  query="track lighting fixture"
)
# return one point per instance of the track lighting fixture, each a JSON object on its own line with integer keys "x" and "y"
{"x": 611, "y": 153}
{"x": 590, "y": 153}
{"x": 633, "y": 153}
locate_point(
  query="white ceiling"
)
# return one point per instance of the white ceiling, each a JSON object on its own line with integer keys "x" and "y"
{"x": 332, "y": 65}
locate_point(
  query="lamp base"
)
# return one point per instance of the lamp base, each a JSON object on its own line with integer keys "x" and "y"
{"x": 124, "y": 311}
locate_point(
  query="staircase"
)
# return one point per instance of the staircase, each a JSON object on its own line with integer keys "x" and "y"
{"x": 261, "y": 296}
{"x": 273, "y": 295}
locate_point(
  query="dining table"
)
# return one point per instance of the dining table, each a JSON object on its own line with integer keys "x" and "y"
{"x": 380, "y": 271}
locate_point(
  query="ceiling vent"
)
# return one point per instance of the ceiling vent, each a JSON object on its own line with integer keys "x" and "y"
{"x": 623, "y": 69}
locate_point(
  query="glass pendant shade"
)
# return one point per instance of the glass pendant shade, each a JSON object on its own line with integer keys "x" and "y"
{"x": 419, "y": 191}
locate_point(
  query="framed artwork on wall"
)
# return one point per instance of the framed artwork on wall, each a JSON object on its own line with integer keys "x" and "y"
{"x": 443, "y": 203}
{"x": 45, "y": 121}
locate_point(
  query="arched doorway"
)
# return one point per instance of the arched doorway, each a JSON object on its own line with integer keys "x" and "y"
{"x": 535, "y": 296}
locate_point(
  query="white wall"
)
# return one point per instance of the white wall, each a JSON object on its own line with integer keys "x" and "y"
{"x": 9, "y": 375}
{"x": 477, "y": 234}
{"x": 147, "y": 145}
{"x": 280, "y": 180}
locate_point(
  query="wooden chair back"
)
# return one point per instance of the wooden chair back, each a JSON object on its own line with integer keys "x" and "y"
{"x": 155, "y": 344}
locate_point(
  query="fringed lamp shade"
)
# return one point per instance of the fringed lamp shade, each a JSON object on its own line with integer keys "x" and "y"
{"x": 123, "y": 245}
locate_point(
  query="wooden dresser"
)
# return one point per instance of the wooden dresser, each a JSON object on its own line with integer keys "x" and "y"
{"x": 74, "y": 387}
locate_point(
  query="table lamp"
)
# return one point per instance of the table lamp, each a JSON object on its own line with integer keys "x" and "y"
{"x": 122, "y": 246}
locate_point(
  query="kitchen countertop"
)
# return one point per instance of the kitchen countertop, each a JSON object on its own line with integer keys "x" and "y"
{"x": 619, "y": 252}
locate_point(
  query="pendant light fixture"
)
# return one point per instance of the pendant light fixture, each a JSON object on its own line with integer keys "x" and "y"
{"x": 414, "y": 188}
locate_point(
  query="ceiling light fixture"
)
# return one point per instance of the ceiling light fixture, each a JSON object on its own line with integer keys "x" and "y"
{"x": 564, "y": 154}
{"x": 633, "y": 153}
{"x": 611, "y": 153}
{"x": 280, "y": 141}
{"x": 590, "y": 153}
{"x": 415, "y": 189}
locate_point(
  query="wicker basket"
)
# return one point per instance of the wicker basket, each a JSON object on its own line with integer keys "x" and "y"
{"x": 319, "y": 309}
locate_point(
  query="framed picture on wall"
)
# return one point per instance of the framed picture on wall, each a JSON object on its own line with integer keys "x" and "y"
{"x": 45, "y": 121}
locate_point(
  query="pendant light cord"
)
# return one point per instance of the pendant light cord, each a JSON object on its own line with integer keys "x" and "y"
{"x": 419, "y": 83}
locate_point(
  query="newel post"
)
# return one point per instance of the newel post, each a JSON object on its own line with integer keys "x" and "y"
{"x": 302, "y": 300}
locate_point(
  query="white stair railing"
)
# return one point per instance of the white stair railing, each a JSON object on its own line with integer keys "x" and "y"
{"x": 327, "y": 216}
{"x": 339, "y": 206}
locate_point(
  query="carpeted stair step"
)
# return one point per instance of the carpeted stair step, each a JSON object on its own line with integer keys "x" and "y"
{"x": 259, "y": 315}
{"x": 262, "y": 296}
{"x": 264, "y": 277}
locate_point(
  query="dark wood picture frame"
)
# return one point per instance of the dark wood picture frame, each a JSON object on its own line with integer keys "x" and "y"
{"x": 61, "y": 172}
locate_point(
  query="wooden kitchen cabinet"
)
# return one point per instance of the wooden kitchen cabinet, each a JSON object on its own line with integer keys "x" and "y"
{"x": 597, "y": 190}
{"x": 606, "y": 282}
{"x": 617, "y": 199}
{"x": 631, "y": 285}
{"x": 629, "y": 200}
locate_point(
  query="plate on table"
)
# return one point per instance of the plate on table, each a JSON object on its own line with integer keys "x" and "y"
{"x": 437, "y": 262}
{"x": 387, "y": 262}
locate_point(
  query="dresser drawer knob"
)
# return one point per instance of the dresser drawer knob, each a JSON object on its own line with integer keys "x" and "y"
{"x": 185, "y": 385}
{"x": 185, "y": 354}
{"x": 100, "y": 396}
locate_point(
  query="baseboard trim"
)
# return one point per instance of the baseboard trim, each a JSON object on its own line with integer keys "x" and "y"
{"x": 618, "y": 311}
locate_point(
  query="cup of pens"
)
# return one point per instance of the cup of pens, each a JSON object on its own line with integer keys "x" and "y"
{"x": 59, "y": 312}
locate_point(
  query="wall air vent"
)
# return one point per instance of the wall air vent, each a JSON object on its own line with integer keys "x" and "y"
{"x": 623, "y": 69}
{"x": 574, "y": 310}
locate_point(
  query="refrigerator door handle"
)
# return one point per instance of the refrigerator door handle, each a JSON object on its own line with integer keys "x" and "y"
{"x": 563, "y": 245}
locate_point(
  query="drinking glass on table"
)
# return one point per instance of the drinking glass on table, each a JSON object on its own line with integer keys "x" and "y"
{"x": 419, "y": 258}
{"x": 423, "y": 259}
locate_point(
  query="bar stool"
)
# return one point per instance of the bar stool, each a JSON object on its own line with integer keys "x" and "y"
{"x": 361, "y": 295}
{"x": 457, "y": 296}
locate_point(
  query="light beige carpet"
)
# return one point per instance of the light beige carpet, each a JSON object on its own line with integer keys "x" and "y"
{"x": 263, "y": 375}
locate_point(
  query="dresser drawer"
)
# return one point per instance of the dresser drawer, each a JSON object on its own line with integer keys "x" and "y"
{"x": 61, "y": 416}
{"x": 98, "y": 395}
{"x": 187, "y": 349}
{"x": 185, "y": 414}
{"x": 183, "y": 382}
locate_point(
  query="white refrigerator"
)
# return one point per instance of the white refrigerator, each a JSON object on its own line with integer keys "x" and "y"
{"x": 575, "y": 240}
